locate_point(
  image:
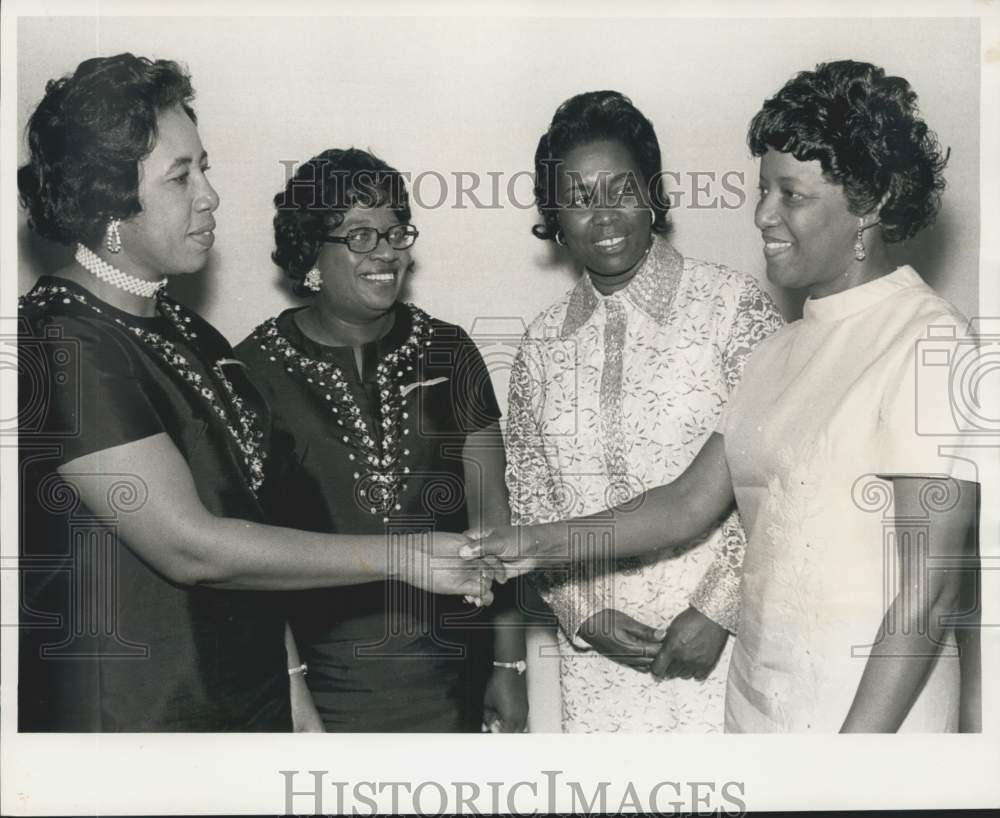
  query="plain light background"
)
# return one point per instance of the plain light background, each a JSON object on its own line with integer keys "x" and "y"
{"x": 440, "y": 96}
{"x": 661, "y": 62}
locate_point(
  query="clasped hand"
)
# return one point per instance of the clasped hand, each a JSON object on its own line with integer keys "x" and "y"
{"x": 470, "y": 563}
{"x": 443, "y": 563}
{"x": 504, "y": 547}
{"x": 688, "y": 649}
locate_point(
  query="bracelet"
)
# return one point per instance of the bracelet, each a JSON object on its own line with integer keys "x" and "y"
{"x": 520, "y": 666}
{"x": 303, "y": 669}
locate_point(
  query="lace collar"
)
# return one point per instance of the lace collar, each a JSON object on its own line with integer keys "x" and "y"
{"x": 651, "y": 289}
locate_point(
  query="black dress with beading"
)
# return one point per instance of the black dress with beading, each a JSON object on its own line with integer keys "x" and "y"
{"x": 378, "y": 451}
{"x": 106, "y": 642}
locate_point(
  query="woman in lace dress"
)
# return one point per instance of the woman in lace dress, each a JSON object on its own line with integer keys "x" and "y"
{"x": 839, "y": 446}
{"x": 616, "y": 387}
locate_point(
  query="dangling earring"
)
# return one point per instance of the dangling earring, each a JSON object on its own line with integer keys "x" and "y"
{"x": 313, "y": 280}
{"x": 560, "y": 238}
{"x": 112, "y": 238}
{"x": 652, "y": 217}
{"x": 859, "y": 245}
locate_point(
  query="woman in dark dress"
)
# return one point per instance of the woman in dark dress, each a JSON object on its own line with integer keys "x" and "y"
{"x": 144, "y": 555}
{"x": 385, "y": 421}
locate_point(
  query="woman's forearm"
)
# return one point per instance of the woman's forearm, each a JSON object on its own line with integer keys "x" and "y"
{"x": 509, "y": 644}
{"x": 907, "y": 646}
{"x": 970, "y": 718}
{"x": 659, "y": 518}
{"x": 911, "y": 634}
{"x": 239, "y": 555}
{"x": 663, "y": 517}
{"x": 175, "y": 534}
{"x": 484, "y": 462}
{"x": 305, "y": 716}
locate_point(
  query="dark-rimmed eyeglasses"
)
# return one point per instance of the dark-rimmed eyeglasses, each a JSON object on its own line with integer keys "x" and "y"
{"x": 366, "y": 239}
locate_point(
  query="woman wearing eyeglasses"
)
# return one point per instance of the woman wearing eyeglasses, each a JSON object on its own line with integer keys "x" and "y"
{"x": 385, "y": 420}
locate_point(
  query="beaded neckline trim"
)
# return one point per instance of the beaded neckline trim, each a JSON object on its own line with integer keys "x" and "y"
{"x": 378, "y": 460}
{"x": 242, "y": 428}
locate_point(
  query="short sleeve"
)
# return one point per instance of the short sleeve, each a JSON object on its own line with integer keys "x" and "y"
{"x": 717, "y": 595}
{"x": 78, "y": 386}
{"x": 752, "y": 316}
{"x": 475, "y": 399}
{"x": 924, "y": 414}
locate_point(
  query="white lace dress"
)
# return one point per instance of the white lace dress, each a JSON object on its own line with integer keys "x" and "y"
{"x": 610, "y": 396}
{"x": 828, "y": 408}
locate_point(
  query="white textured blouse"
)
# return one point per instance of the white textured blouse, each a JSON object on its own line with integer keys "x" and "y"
{"x": 830, "y": 409}
{"x": 610, "y": 396}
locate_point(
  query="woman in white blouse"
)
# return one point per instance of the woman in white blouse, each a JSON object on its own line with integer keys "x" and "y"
{"x": 616, "y": 387}
{"x": 847, "y": 469}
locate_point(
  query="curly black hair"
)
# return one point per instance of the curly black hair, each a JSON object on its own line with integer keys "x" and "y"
{"x": 316, "y": 200}
{"x": 864, "y": 129}
{"x": 591, "y": 117}
{"x": 86, "y": 139}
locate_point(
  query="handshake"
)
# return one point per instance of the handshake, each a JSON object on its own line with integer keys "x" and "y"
{"x": 464, "y": 564}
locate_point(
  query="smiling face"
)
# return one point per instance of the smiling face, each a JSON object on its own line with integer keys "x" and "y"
{"x": 173, "y": 232}
{"x": 808, "y": 231}
{"x": 361, "y": 287}
{"x": 604, "y": 215}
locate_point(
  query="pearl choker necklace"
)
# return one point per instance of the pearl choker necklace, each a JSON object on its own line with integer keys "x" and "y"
{"x": 98, "y": 267}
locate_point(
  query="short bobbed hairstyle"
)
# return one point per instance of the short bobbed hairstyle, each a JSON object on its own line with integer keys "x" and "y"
{"x": 316, "y": 200}
{"x": 597, "y": 116}
{"x": 86, "y": 139}
{"x": 864, "y": 129}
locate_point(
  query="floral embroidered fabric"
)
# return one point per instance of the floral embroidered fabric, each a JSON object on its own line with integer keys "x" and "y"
{"x": 827, "y": 410}
{"x": 609, "y": 396}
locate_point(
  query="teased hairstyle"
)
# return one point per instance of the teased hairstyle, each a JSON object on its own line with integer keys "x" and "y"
{"x": 316, "y": 200}
{"x": 86, "y": 139}
{"x": 864, "y": 129}
{"x": 592, "y": 117}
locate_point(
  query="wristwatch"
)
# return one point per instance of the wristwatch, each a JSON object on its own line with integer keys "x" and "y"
{"x": 520, "y": 666}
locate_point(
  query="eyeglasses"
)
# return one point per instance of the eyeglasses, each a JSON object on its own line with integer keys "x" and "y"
{"x": 366, "y": 239}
